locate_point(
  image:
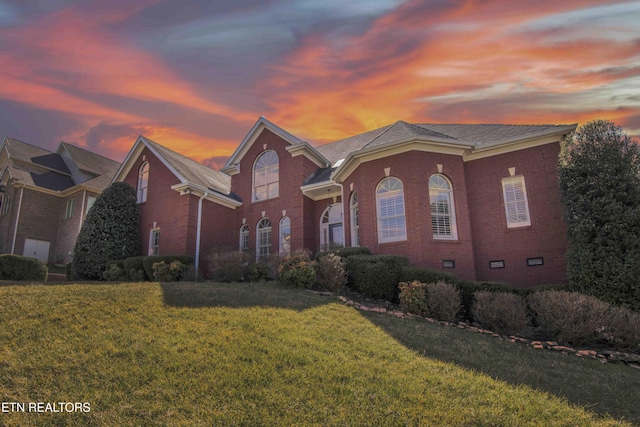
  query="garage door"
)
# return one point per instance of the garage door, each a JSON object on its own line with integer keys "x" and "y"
{"x": 37, "y": 249}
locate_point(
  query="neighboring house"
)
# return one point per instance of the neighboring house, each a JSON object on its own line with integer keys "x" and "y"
{"x": 480, "y": 201}
{"x": 45, "y": 197}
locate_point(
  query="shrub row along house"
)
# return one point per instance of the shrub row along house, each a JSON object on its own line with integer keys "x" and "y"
{"x": 44, "y": 197}
{"x": 480, "y": 201}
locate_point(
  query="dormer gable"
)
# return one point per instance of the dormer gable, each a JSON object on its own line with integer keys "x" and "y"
{"x": 295, "y": 146}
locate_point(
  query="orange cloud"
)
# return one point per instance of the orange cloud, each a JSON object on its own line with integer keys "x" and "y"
{"x": 407, "y": 62}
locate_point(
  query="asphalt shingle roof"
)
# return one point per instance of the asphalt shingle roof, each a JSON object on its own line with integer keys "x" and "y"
{"x": 194, "y": 172}
{"x": 477, "y": 135}
{"x": 90, "y": 162}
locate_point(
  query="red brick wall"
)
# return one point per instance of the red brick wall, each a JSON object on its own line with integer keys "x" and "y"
{"x": 165, "y": 207}
{"x": 69, "y": 227}
{"x": 545, "y": 237}
{"x": 39, "y": 216}
{"x": 292, "y": 172}
{"x": 414, "y": 170}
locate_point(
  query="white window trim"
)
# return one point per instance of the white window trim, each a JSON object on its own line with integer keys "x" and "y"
{"x": 399, "y": 238}
{"x": 517, "y": 224}
{"x": 354, "y": 213}
{"x": 265, "y": 230}
{"x": 151, "y": 245}
{"x": 282, "y": 237}
{"x": 244, "y": 231}
{"x": 69, "y": 209}
{"x": 142, "y": 192}
{"x": 254, "y": 197}
{"x": 452, "y": 209}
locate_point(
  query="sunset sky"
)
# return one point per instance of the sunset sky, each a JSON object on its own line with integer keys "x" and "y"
{"x": 195, "y": 75}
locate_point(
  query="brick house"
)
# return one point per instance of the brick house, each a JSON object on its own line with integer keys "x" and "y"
{"x": 480, "y": 201}
{"x": 44, "y": 197}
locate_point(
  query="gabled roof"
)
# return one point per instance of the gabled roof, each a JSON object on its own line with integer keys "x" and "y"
{"x": 296, "y": 146}
{"x": 468, "y": 140}
{"x": 39, "y": 168}
{"x": 465, "y": 135}
{"x": 21, "y": 150}
{"x": 191, "y": 174}
{"x": 88, "y": 161}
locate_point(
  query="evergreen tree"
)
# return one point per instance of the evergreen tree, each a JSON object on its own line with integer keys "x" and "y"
{"x": 600, "y": 187}
{"x": 110, "y": 232}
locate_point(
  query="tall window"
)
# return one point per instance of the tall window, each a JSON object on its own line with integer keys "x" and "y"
{"x": 443, "y": 219}
{"x": 244, "y": 237}
{"x": 355, "y": 220}
{"x": 69, "y": 211}
{"x": 263, "y": 243}
{"x": 265, "y": 176}
{"x": 285, "y": 236}
{"x": 516, "y": 205}
{"x": 331, "y": 228}
{"x": 90, "y": 201}
{"x": 154, "y": 241}
{"x": 392, "y": 225}
{"x": 6, "y": 204}
{"x": 143, "y": 182}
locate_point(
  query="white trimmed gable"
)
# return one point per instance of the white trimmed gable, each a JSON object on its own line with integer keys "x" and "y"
{"x": 296, "y": 146}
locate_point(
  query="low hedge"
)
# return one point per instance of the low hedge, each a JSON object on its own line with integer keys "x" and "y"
{"x": 148, "y": 261}
{"x": 344, "y": 252}
{"x": 468, "y": 288}
{"x": 17, "y": 267}
{"x": 134, "y": 267}
{"x": 425, "y": 275}
{"x": 376, "y": 276}
{"x": 115, "y": 271}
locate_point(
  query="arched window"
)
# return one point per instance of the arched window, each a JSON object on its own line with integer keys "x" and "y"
{"x": 143, "y": 182}
{"x": 331, "y": 228}
{"x": 285, "y": 236}
{"x": 244, "y": 237}
{"x": 263, "y": 239}
{"x": 392, "y": 226}
{"x": 265, "y": 176}
{"x": 355, "y": 220}
{"x": 443, "y": 216}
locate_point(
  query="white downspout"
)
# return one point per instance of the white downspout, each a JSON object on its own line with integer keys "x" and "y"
{"x": 199, "y": 232}
{"x": 15, "y": 232}
{"x": 344, "y": 226}
{"x": 84, "y": 196}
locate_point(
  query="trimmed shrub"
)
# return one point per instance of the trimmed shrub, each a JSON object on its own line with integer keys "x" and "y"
{"x": 17, "y": 267}
{"x": 443, "y": 300}
{"x": 115, "y": 271}
{"x": 468, "y": 288}
{"x": 171, "y": 272}
{"x": 297, "y": 271}
{"x": 259, "y": 271}
{"x": 425, "y": 275}
{"x": 228, "y": 266}
{"x": 148, "y": 261}
{"x": 110, "y": 231}
{"x": 501, "y": 312}
{"x": 134, "y": 267}
{"x": 413, "y": 298}
{"x": 623, "y": 328}
{"x": 344, "y": 253}
{"x": 569, "y": 316}
{"x": 332, "y": 272}
{"x": 376, "y": 276}
{"x": 68, "y": 271}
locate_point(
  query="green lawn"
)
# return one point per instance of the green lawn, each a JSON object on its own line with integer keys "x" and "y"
{"x": 248, "y": 354}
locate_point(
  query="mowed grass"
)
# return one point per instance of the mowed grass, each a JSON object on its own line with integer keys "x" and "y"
{"x": 237, "y": 354}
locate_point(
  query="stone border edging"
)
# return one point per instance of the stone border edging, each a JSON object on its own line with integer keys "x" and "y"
{"x": 604, "y": 356}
